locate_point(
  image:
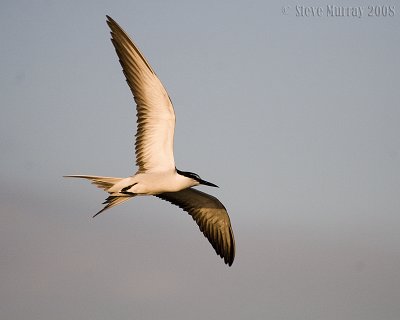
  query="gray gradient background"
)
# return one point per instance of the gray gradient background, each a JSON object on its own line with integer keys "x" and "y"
{"x": 297, "y": 120}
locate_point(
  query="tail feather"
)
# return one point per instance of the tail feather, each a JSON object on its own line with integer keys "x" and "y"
{"x": 112, "y": 201}
{"x": 104, "y": 183}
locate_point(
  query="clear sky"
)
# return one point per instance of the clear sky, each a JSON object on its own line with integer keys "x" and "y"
{"x": 296, "y": 118}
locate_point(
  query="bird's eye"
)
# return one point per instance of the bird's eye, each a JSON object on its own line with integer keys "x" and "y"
{"x": 195, "y": 176}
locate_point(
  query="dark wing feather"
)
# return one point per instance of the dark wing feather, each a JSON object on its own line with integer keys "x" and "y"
{"x": 211, "y": 217}
{"x": 155, "y": 113}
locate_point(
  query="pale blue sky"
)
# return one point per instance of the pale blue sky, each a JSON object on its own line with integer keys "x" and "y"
{"x": 295, "y": 118}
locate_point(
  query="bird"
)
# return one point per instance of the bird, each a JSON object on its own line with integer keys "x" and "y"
{"x": 157, "y": 174}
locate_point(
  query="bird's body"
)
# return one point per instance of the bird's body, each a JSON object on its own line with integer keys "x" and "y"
{"x": 157, "y": 174}
{"x": 152, "y": 183}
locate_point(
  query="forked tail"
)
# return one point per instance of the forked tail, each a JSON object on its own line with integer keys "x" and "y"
{"x": 105, "y": 183}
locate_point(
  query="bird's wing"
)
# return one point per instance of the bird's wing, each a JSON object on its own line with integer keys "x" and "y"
{"x": 155, "y": 113}
{"x": 211, "y": 217}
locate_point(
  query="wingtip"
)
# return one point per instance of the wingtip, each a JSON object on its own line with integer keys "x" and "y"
{"x": 229, "y": 260}
{"x": 110, "y": 21}
{"x": 229, "y": 255}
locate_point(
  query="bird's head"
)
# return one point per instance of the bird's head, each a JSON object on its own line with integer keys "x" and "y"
{"x": 195, "y": 177}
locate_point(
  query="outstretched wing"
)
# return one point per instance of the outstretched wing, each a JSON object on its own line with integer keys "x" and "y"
{"x": 155, "y": 113}
{"x": 211, "y": 217}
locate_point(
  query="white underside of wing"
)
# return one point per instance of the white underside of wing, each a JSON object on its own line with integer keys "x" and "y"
{"x": 154, "y": 144}
{"x": 155, "y": 113}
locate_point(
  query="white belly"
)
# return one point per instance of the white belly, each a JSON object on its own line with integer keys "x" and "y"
{"x": 154, "y": 183}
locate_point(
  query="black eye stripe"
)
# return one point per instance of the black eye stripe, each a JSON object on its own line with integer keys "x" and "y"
{"x": 189, "y": 174}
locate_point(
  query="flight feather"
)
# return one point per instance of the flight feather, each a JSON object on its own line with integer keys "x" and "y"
{"x": 155, "y": 113}
{"x": 211, "y": 217}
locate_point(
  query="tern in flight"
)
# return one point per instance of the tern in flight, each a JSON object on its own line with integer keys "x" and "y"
{"x": 157, "y": 174}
